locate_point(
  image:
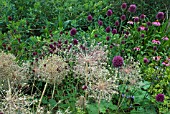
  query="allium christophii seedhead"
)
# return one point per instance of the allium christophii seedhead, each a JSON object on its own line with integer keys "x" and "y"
{"x": 93, "y": 57}
{"x": 54, "y": 70}
{"x": 117, "y": 61}
{"x": 103, "y": 87}
{"x": 17, "y": 102}
{"x": 10, "y": 70}
{"x": 160, "y": 97}
{"x": 132, "y": 8}
{"x": 130, "y": 72}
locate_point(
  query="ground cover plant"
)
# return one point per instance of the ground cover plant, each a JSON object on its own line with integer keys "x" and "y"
{"x": 94, "y": 58}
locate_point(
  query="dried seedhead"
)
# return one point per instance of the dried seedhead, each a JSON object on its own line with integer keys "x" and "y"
{"x": 9, "y": 69}
{"x": 52, "y": 69}
{"x": 92, "y": 57}
{"x": 16, "y": 103}
{"x": 130, "y": 73}
{"x": 102, "y": 85}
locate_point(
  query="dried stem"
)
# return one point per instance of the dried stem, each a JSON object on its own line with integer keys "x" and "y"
{"x": 9, "y": 95}
{"x": 53, "y": 91}
{"x": 42, "y": 95}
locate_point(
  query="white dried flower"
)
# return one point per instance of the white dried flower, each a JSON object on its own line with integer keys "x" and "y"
{"x": 131, "y": 73}
{"x": 52, "y": 69}
{"x": 92, "y": 57}
{"x": 9, "y": 69}
{"x": 102, "y": 85}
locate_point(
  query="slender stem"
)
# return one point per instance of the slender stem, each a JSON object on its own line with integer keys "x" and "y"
{"x": 99, "y": 102}
{"x": 86, "y": 73}
{"x": 121, "y": 103}
{"x": 42, "y": 96}
{"x": 53, "y": 91}
{"x": 9, "y": 95}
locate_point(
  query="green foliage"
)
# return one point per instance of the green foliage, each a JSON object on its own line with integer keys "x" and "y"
{"x": 35, "y": 29}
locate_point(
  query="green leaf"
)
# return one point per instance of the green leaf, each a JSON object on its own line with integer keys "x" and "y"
{"x": 52, "y": 102}
{"x": 92, "y": 108}
{"x": 44, "y": 100}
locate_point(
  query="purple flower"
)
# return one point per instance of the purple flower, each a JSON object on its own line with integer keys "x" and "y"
{"x": 108, "y": 29}
{"x": 73, "y": 31}
{"x": 160, "y": 97}
{"x": 156, "y": 41}
{"x": 114, "y": 31}
{"x": 139, "y": 29}
{"x": 75, "y": 41}
{"x": 156, "y": 23}
{"x": 117, "y": 61}
{"x": 123, "y": 6}
{"x": 127, "y": 33}
{"x": 100, "y": 23}
{"x": 66, "y": 42}
{"x": 142, "y": 16}
{"x": 95, "y": 35}
{"x": 34, "y": 53}
{"x": 117, "y": 23}
{"x": 142, "y": 35}
{"x": 123, "y": 42}
{"x": 69, "y": 47}
{"x": 149, "y": 23}
{"x": 154, "y": 48}
{"x": 166, "y": 63}
{"x": 145, "y": 60}
{"x": 132, "y": 8}
{"x": 160, "y": 15}
{"x": 130, "y": 22}
{"x": 165, "y": 38}
{"x": 142, "y": 28}
{"x": 123, "y": 17}
{"x": 84, "y": 87}
{"x": 136, "y": 48}
{"x": 136, "y": 19}
{"x": 89, "y": 17}
{"x": 109, "y": 12}
{"x": 146, "y": 29}
{"x": 51, "y": 46}
{"x": 107, "y": 38}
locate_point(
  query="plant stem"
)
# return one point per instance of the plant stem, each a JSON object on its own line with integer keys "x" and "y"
{"x": 9, "y": 95}
{"x": 99, "y": 102}
{"x": 86, "y": 73}
{"x": 53, "y": 91}
{"x": 42, "y": 95}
